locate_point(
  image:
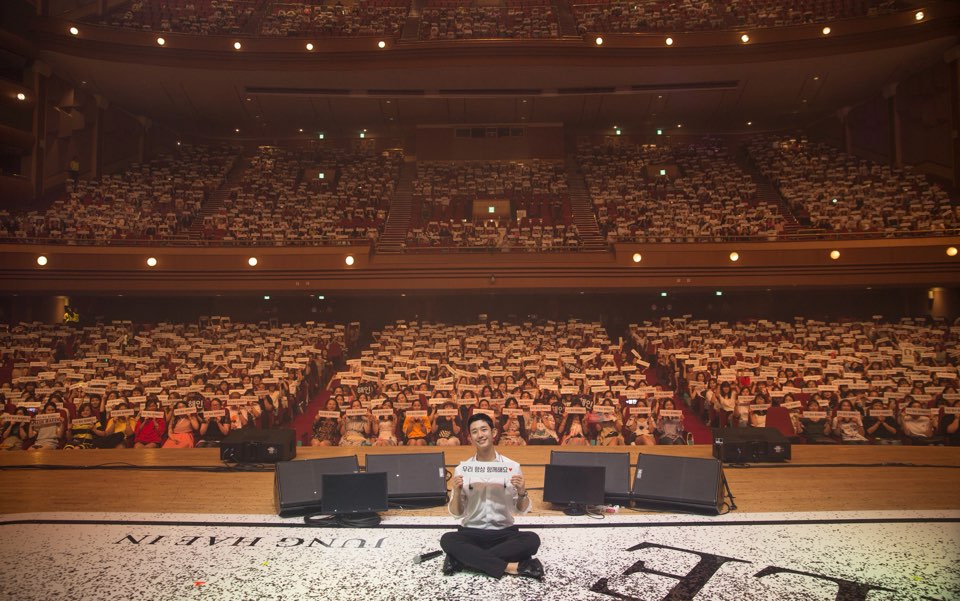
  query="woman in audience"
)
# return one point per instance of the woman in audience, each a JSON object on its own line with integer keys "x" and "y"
{"x": 14, "y": 434}
{"x": 814, "y": 428}
{"x": 326, "y": 430}
{"x": 758, "y": 417}
{"x": 573, "y": 432}
{"x": 118, "y": 431}
{"x": 149, "y": 431}
{"x": 446, "y": 430}
{"x": 950, "y": 424}
{"x": 726, "y": 404}
{"x": 81, "y": 436}
{"x": 385, "y": 427}
{"x": 850, "y": 428}
{"x": 669, "y": 429}
{"x": 610, "y": 425}
{"x": 918, "y": 428}
{"x": 48, "y": 436}
{"x": 881, "y": 429}
{"x": 512, "y": 427}
{"x": 543, "y": 429}
{"x": 213, "y": 429}
{"x": 415, "y": 429}
{"x": 181, "y": 428}
{"x": 355, "y": 429}
{"x": 640, "y": 425}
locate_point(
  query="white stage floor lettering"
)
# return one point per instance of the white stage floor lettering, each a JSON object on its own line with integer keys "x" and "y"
{"x": 738, "y": 557}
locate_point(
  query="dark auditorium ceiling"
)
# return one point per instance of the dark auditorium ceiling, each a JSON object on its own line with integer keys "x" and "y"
{"x": 395, "y": 93}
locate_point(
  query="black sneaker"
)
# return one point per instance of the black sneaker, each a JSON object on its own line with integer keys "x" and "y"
{"x": 451, "y": 565}
{"x": 530, "y": 568}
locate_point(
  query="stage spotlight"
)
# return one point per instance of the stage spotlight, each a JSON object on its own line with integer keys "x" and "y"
{"x": 744, "y": 38}
{"x": 952, "y": 251}
{"x": 834, "y": 254}
{"x": 321, "y": 297}
{"x": 719, "y": 292}
{"x": 734, "y": 256}
{"x": 669, "y": 41}
{"x": 266, "y": 297}
{"x": 237, "y": 46}
{"x": 41, "y": 260}
{"x": 151, "y": 262}
{"x": 349, "y": 260}
{"x": 663, "y": 294}
{"x": 252, "y": 261}
{"x": 74, "y": 31}
{"x": 599, "y": 41}
{"x": 309, "y": 46}
{"x": 749, "y": 122}
{"x": 637, "y": 257}
{"x": 918, "y": 15}
{"x": 21, "y": 96}
{"x": 161, "y": 41}
{"x": 826, "y": 31}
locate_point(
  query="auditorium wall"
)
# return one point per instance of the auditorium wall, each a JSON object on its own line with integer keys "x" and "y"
{"x": 441, "y": 143}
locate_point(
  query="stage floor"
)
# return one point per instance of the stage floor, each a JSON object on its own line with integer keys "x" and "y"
{"x": 852, "y": 523}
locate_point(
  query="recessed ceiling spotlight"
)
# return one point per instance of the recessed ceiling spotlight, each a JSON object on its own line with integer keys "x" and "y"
{"x": 74, "y": 31}
{"x": 834, "y": 254}
{"x": 151, "y": 262}
{"x": 309, "y": 46}
{"x": 381, "y": 44}
{"x": 744, "y": 38}
{"x": 349, "y": 260}
{"x": 21, "y": 96}
{"x": 637, "y": 257}
{"x": 669, "y": 41}
{"x": 599, "y": 41}
{"x": 252, "y": 261}
{"x": 161, "y": 41}
{"x": 826, "y": 31}
{"x": 918, "y": 15}
{"x": 951, "y": 251}
{"x": 42, "y": 260}
{"x": 237, "y": 46}
{"x": 734, "y": 256}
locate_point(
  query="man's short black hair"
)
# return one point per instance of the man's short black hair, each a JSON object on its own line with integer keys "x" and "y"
{"x": 480, "y": 417}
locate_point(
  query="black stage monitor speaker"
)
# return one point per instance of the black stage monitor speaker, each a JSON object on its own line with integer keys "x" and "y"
{"x": 412, "y": 477}
{"x": 250, "y": 445}
{"x": 684, "y": 484}
{"x": 750, "y": 445}
{"x": 617, "y": 484}
{"x": 364, "y": 492}
{"x": 298, "y": 485}
{"x": 575, "y": 486}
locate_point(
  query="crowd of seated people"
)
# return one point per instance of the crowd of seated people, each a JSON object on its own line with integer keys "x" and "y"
{"x": 604, "y": 16}
{"x": 678, "y": 193}
{"x": 443, "y": 202}
{"x": 564, "y": 383}
{"x": 850, "y": 382}
{"x": 156, "y": 200}
{"x": 366, "y": 18}
{"x": 171, "y": 385}
{"x": 197, "y": 17}
{"x": 282, "y": 198}
{"x": 453, "y": 20}
{"x": 555, "y": 383}
{"x": 829, "y": 190}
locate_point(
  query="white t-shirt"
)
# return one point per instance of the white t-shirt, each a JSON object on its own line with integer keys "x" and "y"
{"x": 489, "y": 499}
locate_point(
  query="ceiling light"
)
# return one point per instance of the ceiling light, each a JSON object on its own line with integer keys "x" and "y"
{"x": 21, "y": 96}
{"x": 669, "y": 41}
{"x": 151, "y": 262}
{"x": 381, "y": 44}
{"x": 744, "y": 38}
{"x": 349, "y": 260}
{"x": 637, "y": 257}
{"x": 301, "y": 130}
{"x": 734, "y": 256}
{"x": 321, "y": 297}
{"x": 75, "y": 31}
{"x": 237, "y": 130}
{"x": 719, "y": 293}
{"x": 834, "y": 254}
{"x": 952, "y": 251}
{"x": 161, "y": 41}
{"x": 599, "y": 41}
{"x": 42, "y": 260}
{"x": 237, "y": 46}
{"x": 825, "y": 31}
{"x": 749, "y": 122}
{"x": 918, "y": 15}
{"x": 309, "y": 46}
{"x": 664, "y": 294}
{"x": 252, "y": 261}
{"x": 266, "y": 297}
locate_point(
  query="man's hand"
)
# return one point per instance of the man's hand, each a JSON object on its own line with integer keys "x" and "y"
{"x": 518, "y": 483}
{"x": 457, "y": 483}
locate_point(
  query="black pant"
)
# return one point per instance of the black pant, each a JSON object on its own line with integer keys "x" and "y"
{"x": 489, "y": 551}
